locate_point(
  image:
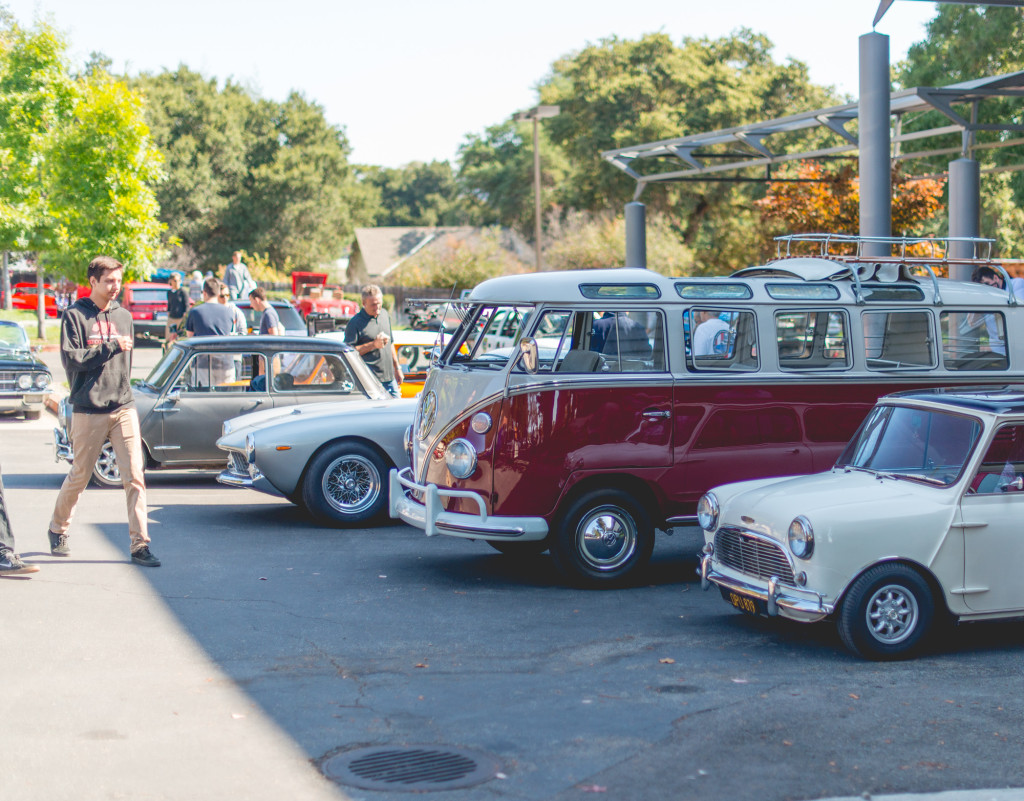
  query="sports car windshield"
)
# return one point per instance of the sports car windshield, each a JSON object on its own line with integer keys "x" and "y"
{"x": 919, "y": 444}
{"x": 13, "y": 337}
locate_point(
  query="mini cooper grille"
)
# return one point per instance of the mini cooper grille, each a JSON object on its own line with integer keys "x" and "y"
{"x": 752, "y": 555}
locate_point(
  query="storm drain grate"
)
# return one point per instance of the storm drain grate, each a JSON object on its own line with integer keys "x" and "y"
{"x": 410, "y": 768}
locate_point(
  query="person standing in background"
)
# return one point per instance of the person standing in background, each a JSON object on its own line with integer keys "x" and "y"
{"x": 177, "y": 306}
{"x": 270, "y": 322}
{"x": 240, "y": 324}
{"x": 237, "y": 277}
{"x": 369, "y": 332}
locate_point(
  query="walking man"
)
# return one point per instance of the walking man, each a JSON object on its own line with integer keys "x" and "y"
{"x": 96, "y": 337}
{"x": 369, "y": 332}
{"x": 10, "y": 562}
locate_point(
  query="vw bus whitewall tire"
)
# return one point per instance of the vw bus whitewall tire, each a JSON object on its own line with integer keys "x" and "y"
{"x": 105, "y": 473}
{"x": 887, "y": 613}
{"x": 345, "y": 484}
{"x": 605, "y": 537}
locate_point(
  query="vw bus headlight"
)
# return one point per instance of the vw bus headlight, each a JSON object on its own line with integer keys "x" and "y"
{"x": 707, "y": 511}
{"x": 24, "y": 381}
{"x": 41, "y": 380}
{"x": 250, "y": 449}
{"x": 801, "y": 538}
{"x": 460, "y": 457}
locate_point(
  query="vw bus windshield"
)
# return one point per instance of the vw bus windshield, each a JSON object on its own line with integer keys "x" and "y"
{"x": 918, "y": 444}
{"x": 488, "y": 335}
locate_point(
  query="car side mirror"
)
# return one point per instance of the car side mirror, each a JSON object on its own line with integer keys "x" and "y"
{"x": 174, "y": 394}
{"x": 1016, "y": 484}
{"x": 528, "y": 354}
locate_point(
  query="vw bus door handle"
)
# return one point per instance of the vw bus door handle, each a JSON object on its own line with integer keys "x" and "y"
{"x": 656, "y": 414}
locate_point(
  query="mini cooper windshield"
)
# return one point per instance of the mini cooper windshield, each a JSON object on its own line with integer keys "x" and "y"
{"x": 918, "y": 444}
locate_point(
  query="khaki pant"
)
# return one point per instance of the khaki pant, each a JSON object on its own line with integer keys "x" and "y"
{"x": 88, "y": 433}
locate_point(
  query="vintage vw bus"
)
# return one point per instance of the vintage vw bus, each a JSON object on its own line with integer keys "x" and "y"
{"x": 646, "y": 391}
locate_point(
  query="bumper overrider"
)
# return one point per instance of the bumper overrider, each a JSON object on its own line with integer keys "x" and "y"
{"x": 243, "y": 475}
{"x": 433, "y": 519}
{"x": 62, "y": 451}
{"x": 777, "y": 599}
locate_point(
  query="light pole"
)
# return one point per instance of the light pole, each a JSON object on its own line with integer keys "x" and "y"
{"x": 537, "y": 113}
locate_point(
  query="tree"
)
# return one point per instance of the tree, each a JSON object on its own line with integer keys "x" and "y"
{"x": 965, "y": 43}
{"x": 418, "y": 193}
{"x": 75, "y": 161}
{"x": 829, "y": 201}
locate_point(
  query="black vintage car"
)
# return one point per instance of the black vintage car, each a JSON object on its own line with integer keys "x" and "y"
{"x": 203, "y": 381}
{"x": 24, "y": 378}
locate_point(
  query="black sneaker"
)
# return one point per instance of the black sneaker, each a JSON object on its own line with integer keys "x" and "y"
{"x": 145, "y": 557}
{"x": 11, "y": 565}
{"x": 58, "y": 544}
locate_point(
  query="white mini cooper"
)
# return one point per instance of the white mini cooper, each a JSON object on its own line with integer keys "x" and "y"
{"x": 919, "y": 523}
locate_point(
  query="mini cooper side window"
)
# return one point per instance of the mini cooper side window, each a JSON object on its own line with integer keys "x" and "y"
{"x": 973, "y": 340}
{"x": 812, "y": 340}
{"x": 720, "y": 339}
{"x": 1002, "y": 468}
{"x": 898, "y": 340}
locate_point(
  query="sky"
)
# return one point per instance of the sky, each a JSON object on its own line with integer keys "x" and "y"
{"x": 408, "y": 80}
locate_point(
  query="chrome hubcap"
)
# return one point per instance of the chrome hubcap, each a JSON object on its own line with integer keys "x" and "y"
{"x": 351, "y": 484}
{"x": 892, "y": 614}
{"x": 607, "y": 538}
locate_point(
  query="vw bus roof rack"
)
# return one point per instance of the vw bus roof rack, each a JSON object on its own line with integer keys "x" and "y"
{"x": 906, "y": 252}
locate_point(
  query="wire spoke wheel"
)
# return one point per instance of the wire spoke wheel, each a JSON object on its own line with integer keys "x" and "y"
{"x": 351, "y": 484}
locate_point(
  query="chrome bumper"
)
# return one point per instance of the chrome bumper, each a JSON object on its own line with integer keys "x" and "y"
{"x": 432, "y": 518}
{"x": 254, "y": 480}
{"x": 780, "y": 600}
{"x": 62, "y": 451}
{"x": 22, "y": 401}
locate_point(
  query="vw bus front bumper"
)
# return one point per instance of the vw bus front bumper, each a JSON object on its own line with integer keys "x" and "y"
{"x": 433, "y": 519}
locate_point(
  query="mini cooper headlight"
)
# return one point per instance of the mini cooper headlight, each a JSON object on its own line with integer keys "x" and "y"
{"x": 460, "y": 457}
{"x": 250, "y": 448}
{"x": 707, "y": 511}
{"x": 24, "y": 381}
{"x": 41, "y": 380}
{"x": 801, "y": 538}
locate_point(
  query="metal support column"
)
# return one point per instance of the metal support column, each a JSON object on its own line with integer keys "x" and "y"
{"x": 636, "y": 234}
{"x": 875, "y": 163}
{"x": 964, "y": 212}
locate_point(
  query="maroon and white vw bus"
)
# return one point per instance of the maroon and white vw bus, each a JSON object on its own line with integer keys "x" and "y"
{"x": 628, "y": 394}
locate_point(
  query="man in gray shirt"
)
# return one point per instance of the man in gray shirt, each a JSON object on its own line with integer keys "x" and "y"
{"x": 369, "y": 332}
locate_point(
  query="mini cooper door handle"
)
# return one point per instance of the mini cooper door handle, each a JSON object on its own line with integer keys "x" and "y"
{"x": 656, "y": 414}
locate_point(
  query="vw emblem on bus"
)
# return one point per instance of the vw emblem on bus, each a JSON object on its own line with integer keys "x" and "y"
{"x": 427, "y": 412}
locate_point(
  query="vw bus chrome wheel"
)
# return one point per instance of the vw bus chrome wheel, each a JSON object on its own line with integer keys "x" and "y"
{"x": 105, "y": 473}
{"x": 605, "y": 537}
{"x": 344, "y": 484}
{"x": 887, "y": 613}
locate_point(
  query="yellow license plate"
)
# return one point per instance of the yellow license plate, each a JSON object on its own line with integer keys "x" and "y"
{"x": 742, "y": 603}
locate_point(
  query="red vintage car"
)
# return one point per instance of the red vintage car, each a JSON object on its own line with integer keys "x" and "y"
{"x": 313, "y": 296}
{"x": 147, "y": 303}
{"x": 23, "y": 296}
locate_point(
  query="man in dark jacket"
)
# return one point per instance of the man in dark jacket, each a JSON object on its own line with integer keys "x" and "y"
{"x": 96, "y": 337}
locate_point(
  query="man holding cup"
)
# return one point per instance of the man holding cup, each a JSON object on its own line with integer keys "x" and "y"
{"x": 369, "y": 332}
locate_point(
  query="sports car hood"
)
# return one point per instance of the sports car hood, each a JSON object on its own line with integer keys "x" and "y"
{"x": 240, "y": 426}
{"x": 834, "y": 501}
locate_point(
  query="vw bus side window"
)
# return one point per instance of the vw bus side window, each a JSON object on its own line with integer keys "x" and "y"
{"x": 720, "y": 339}
{"x": 489, "y": 336}
{"x": 812, "y": 340}
{"x": 898, "y": 340}
{"x": 973, "y": 340}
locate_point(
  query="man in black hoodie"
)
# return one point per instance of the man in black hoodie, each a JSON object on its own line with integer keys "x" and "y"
{"x": 96, "y": 337}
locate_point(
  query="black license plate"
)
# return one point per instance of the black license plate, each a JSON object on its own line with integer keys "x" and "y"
{"x": 752, "y": 606}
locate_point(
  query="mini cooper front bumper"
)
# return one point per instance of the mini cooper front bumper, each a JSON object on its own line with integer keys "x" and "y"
{"x": 431, "y": 517}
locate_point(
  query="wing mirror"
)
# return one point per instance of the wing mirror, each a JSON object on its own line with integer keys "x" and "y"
{"x": 528, "y": 354}
{"x": 174, "y": 394}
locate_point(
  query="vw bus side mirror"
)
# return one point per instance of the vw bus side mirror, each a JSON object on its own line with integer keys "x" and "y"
{"x": 528, "y": 354}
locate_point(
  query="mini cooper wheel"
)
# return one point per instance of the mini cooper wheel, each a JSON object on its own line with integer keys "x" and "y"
{"x": 105, "y": 473}
{"x": 605, "y": 537}
{"x": 345, "y": 484}
{"x": 886, "y": 613}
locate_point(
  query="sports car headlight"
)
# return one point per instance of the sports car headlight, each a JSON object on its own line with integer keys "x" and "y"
{"x": 801, "y": 538}
{"x": 225, "y": 429}
{"x": 250, "y": 449}
{"x": 460, "y": 458}
{"x": 707, "y": 511}
{"x": 41, "y": 380}
{"x": 24, "y": 381}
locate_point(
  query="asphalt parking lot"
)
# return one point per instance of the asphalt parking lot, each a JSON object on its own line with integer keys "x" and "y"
{"x": 266, "y": 649}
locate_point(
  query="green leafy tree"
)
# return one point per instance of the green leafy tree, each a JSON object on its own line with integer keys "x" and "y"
{"x": 966, "y": 43}
{"x": 418, "y": 193}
